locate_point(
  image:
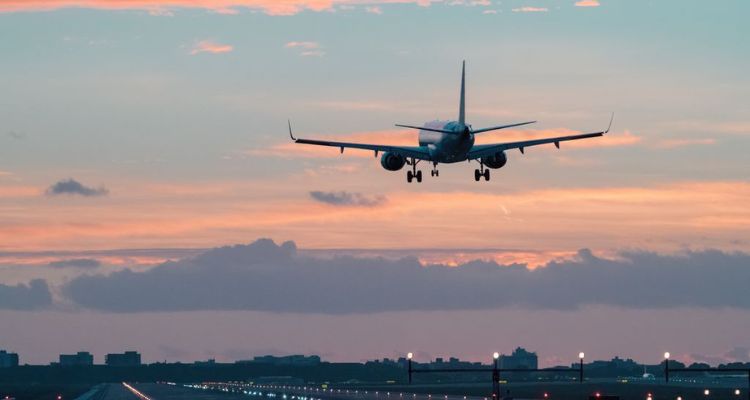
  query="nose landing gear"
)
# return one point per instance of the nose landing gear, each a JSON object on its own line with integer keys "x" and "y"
{"x": 434, "y": 171}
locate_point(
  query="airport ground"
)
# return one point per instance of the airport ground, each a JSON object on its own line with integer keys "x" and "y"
{"x": 625, "y": 390}
{"x": 27, "y": 391}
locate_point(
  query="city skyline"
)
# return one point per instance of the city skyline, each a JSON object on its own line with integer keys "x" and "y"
{"x": 144, "y": 157}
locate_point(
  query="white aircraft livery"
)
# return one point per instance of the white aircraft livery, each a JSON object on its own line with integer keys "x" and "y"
{"x": 449, "y": 142}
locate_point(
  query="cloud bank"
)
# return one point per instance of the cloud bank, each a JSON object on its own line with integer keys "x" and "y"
{"x": 32, "y": 296}
{"x": 76, "y": 263}
{"x": 73, "y": 187}
{"x": 264, "y": 276}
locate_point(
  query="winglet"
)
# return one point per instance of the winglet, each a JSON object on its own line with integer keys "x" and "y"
{"x": 610, "y": 123}
{"x": 290, "y": 130}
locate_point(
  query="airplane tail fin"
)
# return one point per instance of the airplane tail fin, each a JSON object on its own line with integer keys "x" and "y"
{"x": 462, "y": 105}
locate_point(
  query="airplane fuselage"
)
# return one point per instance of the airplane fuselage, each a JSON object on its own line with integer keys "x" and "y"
{"x": 447, "y": 147}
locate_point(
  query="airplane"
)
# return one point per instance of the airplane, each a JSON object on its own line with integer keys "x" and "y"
{"x": 449, "y": 142}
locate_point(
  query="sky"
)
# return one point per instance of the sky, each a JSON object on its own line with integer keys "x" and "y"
{"x": 150, "y": 197}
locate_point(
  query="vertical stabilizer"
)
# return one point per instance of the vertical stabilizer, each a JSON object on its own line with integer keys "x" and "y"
{"x": 462, "y": 106}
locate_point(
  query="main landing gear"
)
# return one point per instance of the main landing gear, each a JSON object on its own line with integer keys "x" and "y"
{"x": 481, "y": 172}
{"x": 410, "y": 175}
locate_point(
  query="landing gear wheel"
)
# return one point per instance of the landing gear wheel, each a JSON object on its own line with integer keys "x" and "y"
{"x": 477, "y": 174}
{"x": 409, "y": 176}
{"x": 419, "y": 176}
{"x": 437, "y": 173}
{"x": 486, "y": 175}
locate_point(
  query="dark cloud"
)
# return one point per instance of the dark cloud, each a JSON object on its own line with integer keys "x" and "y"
{"x": 73, "y": 187}
{"x": 347, "y": 199}
{"x": 32, "y": 296}
{"x": 76, "y": 263}
{"x": 266, "y": 277}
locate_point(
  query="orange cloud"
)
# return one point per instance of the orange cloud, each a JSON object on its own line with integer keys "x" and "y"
{"x": 271, "y": 7}
{"x": 587, "y": 3}
{"x": 207, "y": 46}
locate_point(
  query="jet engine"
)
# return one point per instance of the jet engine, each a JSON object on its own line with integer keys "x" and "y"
{"x": 392, "y": 161}
{"x": 496, "y": 161}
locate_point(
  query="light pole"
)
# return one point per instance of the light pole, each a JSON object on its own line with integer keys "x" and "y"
{"x": 580, "y": 367}
{"x": 666, "y": 367}
{"x": 495, "y": 376}
{"x": 409, "y": 356}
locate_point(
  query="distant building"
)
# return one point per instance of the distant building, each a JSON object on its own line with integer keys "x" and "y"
{"x": 295, "y": 360}
{"x": 126, "y": 359}
{"x": 519, "y": 359}
{"x": 78, "y": 359}
{"x": 8, "y": 360}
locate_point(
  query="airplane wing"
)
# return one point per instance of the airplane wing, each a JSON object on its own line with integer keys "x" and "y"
{"x": 417, "y": 152}
{"x": 485, "y": 150}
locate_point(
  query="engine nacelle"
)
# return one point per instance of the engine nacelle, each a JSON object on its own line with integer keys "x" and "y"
{"x": 496, "y": 161}
{"x": 392, "y": 161}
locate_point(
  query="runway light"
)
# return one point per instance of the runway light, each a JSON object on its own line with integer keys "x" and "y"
{"x": 737, "y": 392}
{"x": 410, "y": 355}
{"x": 598, "y": 394}
{"x": 546, "y": 395}
{"x": 706, "y": 392}
{"x": 679, "y": 397}
{"x": 495, "y": 355}
{"x": 581, "y": 355}
{"x": 666, "y": 356}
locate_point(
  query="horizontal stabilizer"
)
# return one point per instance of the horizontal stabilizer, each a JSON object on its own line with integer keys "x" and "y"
{"x": 421, "y": 128}
{"x": 494, "y": 128}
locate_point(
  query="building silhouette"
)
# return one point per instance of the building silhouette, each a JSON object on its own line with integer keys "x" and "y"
{"x": 293, "y": 360}
{"x": 126, "y": 359}
{"x": 78, "y": 359}
{"x": 520, "y": 359}
{"x": 8, "y": 360}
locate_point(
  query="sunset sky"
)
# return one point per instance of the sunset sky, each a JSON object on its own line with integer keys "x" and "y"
{"x": 136, "y": 132}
